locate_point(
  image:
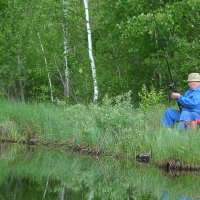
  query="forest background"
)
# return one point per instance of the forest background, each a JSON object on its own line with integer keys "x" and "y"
{"x": 44, "y": 47}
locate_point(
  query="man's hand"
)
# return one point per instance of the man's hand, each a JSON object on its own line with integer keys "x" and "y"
{"x": 175, "y": 95}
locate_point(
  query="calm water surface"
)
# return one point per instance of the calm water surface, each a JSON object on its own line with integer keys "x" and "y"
{"x": 39, "y": 173}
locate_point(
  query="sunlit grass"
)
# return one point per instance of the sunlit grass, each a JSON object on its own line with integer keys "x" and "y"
{"x": 117, "y": 128}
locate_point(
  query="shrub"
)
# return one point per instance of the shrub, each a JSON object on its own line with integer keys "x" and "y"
{"x": 149, "y": 99}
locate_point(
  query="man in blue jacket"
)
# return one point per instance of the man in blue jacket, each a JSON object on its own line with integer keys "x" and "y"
{"x": 189, "y": 102}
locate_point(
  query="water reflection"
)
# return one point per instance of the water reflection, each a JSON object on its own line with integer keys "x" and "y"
{"x": 51, "y": 174}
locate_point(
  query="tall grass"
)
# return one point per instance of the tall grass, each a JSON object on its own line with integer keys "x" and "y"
{"x": 113, "y": 126}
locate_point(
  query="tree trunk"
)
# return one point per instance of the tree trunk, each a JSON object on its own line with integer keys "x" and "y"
{"x": 45, "y": 191}
{"x": 62, "y": 193}
{"x": 66, "y": 74}
{"x": 59, "y": 72}
{"x": 21, "y": 83}
{"x": 45, "y": 60}
{"x": 95, "y": 97}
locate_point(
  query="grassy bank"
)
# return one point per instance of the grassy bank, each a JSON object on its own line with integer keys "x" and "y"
{"x": 109, "y": 127}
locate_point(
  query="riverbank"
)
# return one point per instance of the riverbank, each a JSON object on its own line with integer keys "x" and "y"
{"x": 108, "y": 129}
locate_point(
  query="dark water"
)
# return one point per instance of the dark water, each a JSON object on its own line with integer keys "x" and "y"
{"x": 35, "y": 173}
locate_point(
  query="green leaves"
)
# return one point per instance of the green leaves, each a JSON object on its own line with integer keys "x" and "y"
{"x": 127, "y": 44}
{"x": 149, "y": 99}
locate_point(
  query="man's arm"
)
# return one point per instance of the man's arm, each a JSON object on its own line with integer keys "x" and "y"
{"x": 189, "y": 102}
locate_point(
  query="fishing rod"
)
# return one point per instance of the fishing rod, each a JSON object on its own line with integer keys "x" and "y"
{"x": 172, "y": 84}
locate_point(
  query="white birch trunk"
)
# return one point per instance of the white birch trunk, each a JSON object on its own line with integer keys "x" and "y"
{"x": 21, "y": 83}
{"x": 95, "y": 97}
{"x": 45, "y": 191}
{"x": 46, "y": 65}
{"x": 62, "y": 193}
{"x": 66, "y": 69}
{"x": 59, "y": 72}
{"x": 91, "y": 195}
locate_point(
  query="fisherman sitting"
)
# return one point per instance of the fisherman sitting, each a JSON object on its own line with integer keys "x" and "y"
{"x": 189, "y": 103}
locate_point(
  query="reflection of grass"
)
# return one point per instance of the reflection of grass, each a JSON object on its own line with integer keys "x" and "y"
{"x": 104, "y": 178}
{"x": 109, "y": 127}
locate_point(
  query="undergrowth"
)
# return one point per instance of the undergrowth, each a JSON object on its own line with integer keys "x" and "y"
{"x": 114, "y": 126}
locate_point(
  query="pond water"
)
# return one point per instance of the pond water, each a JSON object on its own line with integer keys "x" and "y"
{"x": 41, "y": 173}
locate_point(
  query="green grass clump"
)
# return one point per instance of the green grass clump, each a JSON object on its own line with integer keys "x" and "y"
{"x": 114, "y": 126}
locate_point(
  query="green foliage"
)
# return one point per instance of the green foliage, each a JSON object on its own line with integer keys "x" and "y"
{"x": 149, "y": 99}
{"x": 117, "y": 113}
{"x": 128, "y": 48}
{"x": 109, "y": 127}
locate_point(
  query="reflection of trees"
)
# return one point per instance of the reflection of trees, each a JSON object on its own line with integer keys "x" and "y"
{"x": 57, "y": 175}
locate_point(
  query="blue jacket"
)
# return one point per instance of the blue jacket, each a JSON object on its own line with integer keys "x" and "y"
{"x": 190, "y": 101}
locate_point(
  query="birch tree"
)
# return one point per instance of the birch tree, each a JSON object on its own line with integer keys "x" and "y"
{"x": 46, "y": 65}
{"x": 95, "y": 97}
{"x": 66, "y": 74}
{"x": 21, "y": 82}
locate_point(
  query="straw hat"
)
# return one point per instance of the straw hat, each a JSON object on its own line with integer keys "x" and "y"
{"x": 194, "y": 77}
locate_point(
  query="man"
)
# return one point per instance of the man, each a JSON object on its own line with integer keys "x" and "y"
{"x": 189, "y": 102}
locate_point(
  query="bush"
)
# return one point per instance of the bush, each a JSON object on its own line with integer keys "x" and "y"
{"x": 150, "y": 99}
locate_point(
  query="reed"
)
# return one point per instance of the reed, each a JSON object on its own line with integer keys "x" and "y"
{"x": 114, "y": 126}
